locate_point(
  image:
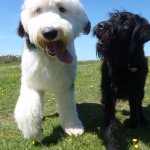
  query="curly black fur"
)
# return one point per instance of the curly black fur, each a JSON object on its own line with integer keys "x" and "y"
{"x": 124, "y": 69}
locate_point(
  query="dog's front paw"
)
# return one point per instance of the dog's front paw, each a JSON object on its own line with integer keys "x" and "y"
{"x": 74, "y": 128}
{"x": 75, "y": 131}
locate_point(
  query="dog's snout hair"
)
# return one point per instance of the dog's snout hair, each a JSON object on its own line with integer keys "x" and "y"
{"x": 104, "y": 25}
{"x": 101, "y": 25}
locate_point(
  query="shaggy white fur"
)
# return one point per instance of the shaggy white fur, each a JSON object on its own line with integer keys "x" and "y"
{"x": 49, "y": 63}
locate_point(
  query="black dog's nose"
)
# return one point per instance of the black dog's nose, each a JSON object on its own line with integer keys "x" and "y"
{"x": 101, "y": 25}
{"x": 50, "y": 33}
{"x": 105, "y": 25}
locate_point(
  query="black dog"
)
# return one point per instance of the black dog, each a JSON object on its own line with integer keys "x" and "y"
{"x": 124, "y": 67}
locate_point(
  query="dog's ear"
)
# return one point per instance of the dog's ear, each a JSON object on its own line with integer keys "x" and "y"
{"x": 141, "y": 33}
{"x": 21, "y": 31}
{"x": 87, "y": 28}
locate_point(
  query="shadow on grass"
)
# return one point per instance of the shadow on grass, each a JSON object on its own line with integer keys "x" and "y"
{"x": 57, "y": 133}
{"x": 55, "y": 137}
{"x": 92, "y": 117}
{"x": 89, "y": 113}
{"x": 141, "y": 133}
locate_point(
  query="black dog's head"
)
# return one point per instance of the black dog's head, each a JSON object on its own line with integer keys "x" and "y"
{"x": 122, "y": 36}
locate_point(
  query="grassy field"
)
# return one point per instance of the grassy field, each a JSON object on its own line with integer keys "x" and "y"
{"x": 89, "y": 108}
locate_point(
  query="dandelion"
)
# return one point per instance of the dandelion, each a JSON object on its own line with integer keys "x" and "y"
{"x": 33, "y": 142}
{"x": 134, "y": 140}
{"x": 135, "y": 143}
{"x": 136, "y": 146}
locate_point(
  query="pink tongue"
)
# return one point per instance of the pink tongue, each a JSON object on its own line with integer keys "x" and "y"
{"x": 61, "y": 52}
{"x": 64, "y": 56}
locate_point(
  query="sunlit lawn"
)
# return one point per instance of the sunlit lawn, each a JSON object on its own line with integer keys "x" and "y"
{"x": 89, "y": 108}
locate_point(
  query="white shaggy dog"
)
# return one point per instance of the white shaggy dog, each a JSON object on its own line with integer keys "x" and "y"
{"x": 49, "y": 63}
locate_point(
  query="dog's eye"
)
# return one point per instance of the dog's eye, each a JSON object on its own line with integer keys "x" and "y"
{"x": 38, "y": 10}
{"x": 62, "y": 9}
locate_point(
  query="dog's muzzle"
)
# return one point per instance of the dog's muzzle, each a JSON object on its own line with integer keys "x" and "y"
{"x": 50, "y": 34}
{"x": 56, "y": 47}
{"x": 103, "y": 31}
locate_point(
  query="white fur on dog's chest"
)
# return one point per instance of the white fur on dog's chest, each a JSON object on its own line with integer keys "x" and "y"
{"x": 43, "y": 73}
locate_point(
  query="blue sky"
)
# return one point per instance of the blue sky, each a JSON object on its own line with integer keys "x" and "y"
{"x": 97, "y": 11}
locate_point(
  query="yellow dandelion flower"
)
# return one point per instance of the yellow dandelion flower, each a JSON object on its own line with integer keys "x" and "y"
{"x": 136, "y": 146}
{"x": 134, "y": 140}
{"x": 33, "y": 142}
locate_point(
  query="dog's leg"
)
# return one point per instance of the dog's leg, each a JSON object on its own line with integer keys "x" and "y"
{"x": 133, "y": 120}
{"x": 136, "y": 111}
{"x": 108, "y": 101}
{"x": 28, "y": 113}
{"x": 142, "y": 120}
{"x": 110, "y": 124}
{"x": 67, "y": 112}
{"x": 107, "y": 95}
{"x": 141, "y": 116}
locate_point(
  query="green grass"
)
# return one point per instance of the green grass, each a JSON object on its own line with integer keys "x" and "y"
{"x": 89, "y": 108}
{"x": 12, "y": 64}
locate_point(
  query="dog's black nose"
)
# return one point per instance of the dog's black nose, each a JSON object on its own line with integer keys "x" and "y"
{"x": 50, "y": 33}
{"x": 101, "y": 25}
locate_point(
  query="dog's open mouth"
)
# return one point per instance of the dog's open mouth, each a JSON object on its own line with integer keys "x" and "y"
{"x": 58, "y": 49}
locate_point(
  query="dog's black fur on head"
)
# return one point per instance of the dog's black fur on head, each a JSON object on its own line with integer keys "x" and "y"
{"x": 22, "y": 34}
{"x": 124, "y": 69}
